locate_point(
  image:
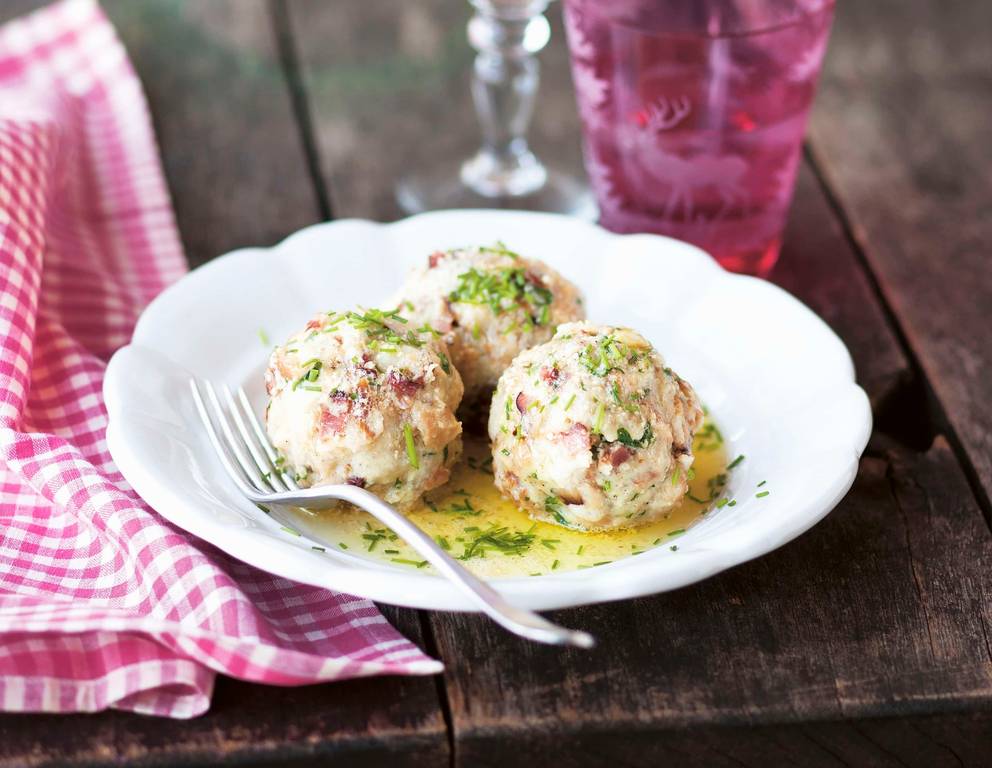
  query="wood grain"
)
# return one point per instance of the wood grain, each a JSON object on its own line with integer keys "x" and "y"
{"x": 883, "y": 609}
{"x": 388, "y": 85}
{"x": 229, "y": 139}
{"x": 902, "y": 131}
{"x": 820, "y": 267}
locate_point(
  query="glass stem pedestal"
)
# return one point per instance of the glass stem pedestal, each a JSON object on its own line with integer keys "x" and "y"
{"x": 505, "y": 172}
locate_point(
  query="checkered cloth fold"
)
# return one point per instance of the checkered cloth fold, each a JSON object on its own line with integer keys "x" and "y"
{"x": 103, "y": 603}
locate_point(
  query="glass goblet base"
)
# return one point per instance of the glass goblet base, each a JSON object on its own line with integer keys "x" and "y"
{"x": 472, "y": 185}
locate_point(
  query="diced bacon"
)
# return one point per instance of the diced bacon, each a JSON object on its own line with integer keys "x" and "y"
{"x": 576, "y": 438}
{"x": 335, "y": 422}
{"x": 617, "y": 455}
{"x": 357, "y": 481}
{"x": 434, "y": 258}
{"x": 403, "y": 386}
{"x": 521, "y": 402}
{"x": 534, "y": 279}
{"x": 314, "y": 324}
{"x": 552, "y": 376}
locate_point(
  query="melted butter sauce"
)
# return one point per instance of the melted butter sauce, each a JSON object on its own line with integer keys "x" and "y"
{"x": 469, "y": 506}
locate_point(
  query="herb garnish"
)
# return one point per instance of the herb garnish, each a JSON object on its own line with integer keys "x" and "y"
{"x": 553, "y": 506}
{"x": 647, "y": 437}
{"x": 503, "y": 290}
{"x": 603, "y": 356}
{"x": 375, "y": 324}
{"x": 411, "y": 448}
{"x": 498, "y": 538}
{"x": 311, "y": 372}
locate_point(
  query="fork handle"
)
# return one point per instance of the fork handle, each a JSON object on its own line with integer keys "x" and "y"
{"x": 518, "y": 620}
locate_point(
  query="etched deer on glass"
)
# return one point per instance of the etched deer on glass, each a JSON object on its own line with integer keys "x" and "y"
{"x": 653, "y": 166}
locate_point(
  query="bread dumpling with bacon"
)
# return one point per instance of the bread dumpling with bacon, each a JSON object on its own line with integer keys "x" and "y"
{"x": 366, "y": 398}
{"x": 592, "y": 430}
{"x": 489, "y": 304}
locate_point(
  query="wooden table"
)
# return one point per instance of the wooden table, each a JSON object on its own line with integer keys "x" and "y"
{"x": 866, "y": 641}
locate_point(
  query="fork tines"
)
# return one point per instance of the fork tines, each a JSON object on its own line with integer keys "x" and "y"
{"x": 245, "y": 441}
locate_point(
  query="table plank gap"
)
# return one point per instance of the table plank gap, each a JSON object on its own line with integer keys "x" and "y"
{"x": 917, "y": 395}
{"x": 901, "y": 134}
{"x": 820, "y": 267}
{"x": 904, "y": 565}
{"x": 289, "y": 57}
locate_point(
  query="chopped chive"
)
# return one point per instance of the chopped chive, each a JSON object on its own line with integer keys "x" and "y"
{"x": 390, "y": 551}
{"x": 677, "y": 532}
{"x": 411, "y": 448}
{"x": 342, "y": 545}
{"x": 735, "y": 462}
{"x": 263, "y": 337}
{"x": 319, "y": 549}
{"x": 761, "y": 495}
{"x": 554, "y": 565}
{"x": 656, "y": 542}
{"x": 476, "y": 333}
{"x": 597, "y": 427}
{"x": 762, "y": 483}
{"x": 569, "y": 403}
{"x": 602, "y": 562}
{"x": 579, "y": 550}
{"x": 290, "y": 530}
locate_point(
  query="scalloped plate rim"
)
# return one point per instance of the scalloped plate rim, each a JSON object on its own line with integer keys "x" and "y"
{"x": 401, "y": 586}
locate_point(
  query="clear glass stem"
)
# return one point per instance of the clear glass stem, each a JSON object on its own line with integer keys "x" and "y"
{"x": 507, "y": 34}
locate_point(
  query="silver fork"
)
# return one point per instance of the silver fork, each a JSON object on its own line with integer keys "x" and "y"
{"x": 254, "y": 471}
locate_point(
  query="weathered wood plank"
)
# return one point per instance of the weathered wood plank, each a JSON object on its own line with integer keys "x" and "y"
{"x": 902, "y": 132}
{"x": 388, "y": 85}
{"x": 369, "y": 722}
{"x": 820, "y": 267}
{"x": 883, "y": 609}
{"x": 237, "y": 173}
{"x": 943, "y": 741}
{"x": 229, "y": 140}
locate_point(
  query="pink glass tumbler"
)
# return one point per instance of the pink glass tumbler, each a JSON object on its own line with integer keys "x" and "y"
{"x": 693, "y": 114}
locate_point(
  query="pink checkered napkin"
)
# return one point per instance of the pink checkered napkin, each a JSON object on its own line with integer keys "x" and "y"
{"x": 102, "y": 603}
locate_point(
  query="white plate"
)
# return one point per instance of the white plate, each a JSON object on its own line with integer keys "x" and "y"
{"x": 777, "y": 380}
